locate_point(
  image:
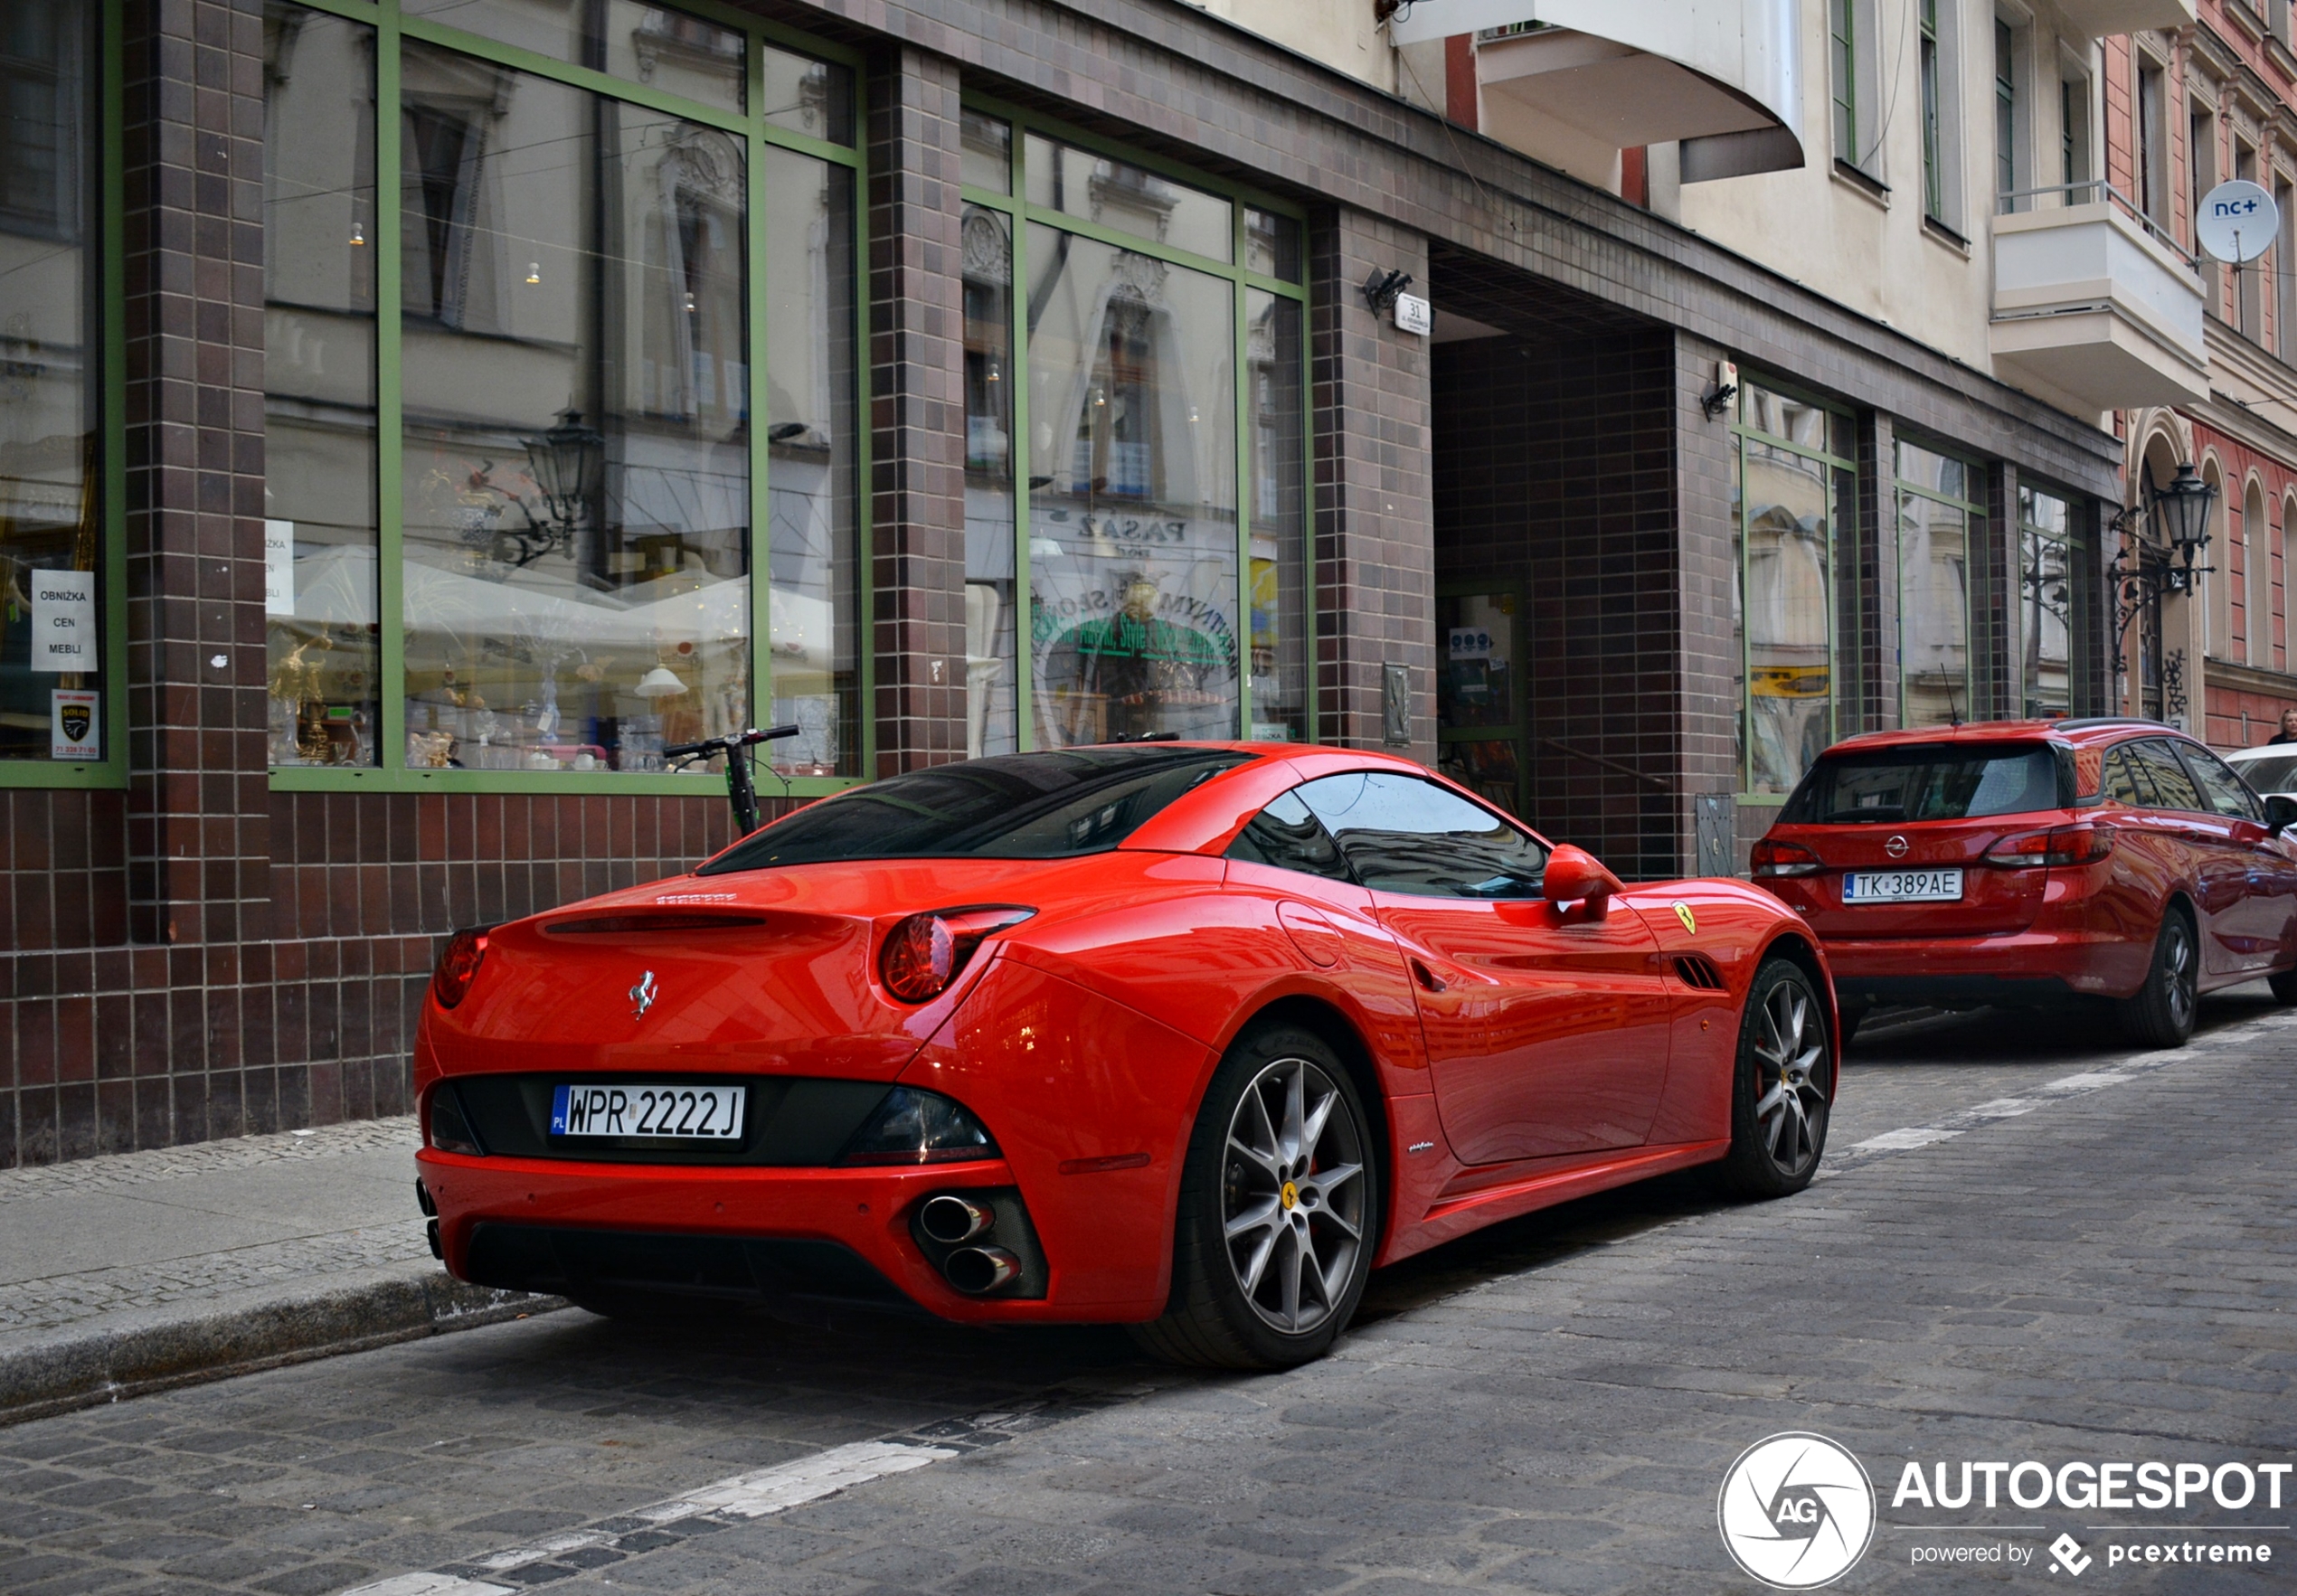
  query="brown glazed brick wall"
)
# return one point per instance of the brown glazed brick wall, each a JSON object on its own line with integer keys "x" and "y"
{"x": 1368, "y": 399}
{"x": 917, "y": 374}
{"x": 110, "y": 1046}
{"x": 197, "y": 815}
{"x": 1708, "y": 594}
{"x": 1555, "y": 469}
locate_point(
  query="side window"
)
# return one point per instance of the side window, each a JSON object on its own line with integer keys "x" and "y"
{"x": 2226, "y": 791}
{"x": 1405, "y": 835}
{"x": 1286, "y": 836}
{"x": 2124, "y": 782}
{"x": 2172, "y": 788}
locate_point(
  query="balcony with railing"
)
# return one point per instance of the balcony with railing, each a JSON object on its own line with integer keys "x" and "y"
{"x": 2100, "y": 19}
{"x": 1574, "y": 82}
{"x": 2094, "y": 301}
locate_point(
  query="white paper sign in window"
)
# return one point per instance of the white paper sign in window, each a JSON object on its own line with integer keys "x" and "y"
{"x": 63, "y": 620}
{"x": 278, "y": 567}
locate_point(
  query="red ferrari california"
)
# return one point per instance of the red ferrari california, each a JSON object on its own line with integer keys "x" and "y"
{"x": 1186, "y": 1038}
{"x": 2022, "y": 861}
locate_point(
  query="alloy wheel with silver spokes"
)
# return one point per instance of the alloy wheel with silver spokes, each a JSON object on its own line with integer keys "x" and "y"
{"x": 1790, "y": 1048}
{"x": 1293, "y": 1195}
{"x": 2178, "y": 973}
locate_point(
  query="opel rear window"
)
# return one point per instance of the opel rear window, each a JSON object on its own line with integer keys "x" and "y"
{"x": 1932, "y": 781}
{"x": 1054, "y": 805}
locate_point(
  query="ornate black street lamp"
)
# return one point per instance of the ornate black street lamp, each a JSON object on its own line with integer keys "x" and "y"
{"x": 2180, "y": 515}
{"x": 568, "y": 462}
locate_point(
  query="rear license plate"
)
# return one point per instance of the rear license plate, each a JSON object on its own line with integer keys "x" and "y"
{"x": 1903, "y": 887}
{"x": 656, "y": 1113}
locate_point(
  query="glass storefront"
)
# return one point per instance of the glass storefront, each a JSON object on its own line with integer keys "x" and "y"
{"x": 536, "y": 548}
{"x": 1940, "y": 523}
{"x": 1795, "y": 484}
{"x": 1136, "y": 464}
{"x": 2046, "y": 603}
{"x": 53, "y": 589}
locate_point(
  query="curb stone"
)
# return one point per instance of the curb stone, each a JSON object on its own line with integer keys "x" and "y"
{"x": 127, "y": 1354}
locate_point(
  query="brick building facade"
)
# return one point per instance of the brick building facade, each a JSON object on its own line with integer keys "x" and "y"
{"x": 221, "y": 922}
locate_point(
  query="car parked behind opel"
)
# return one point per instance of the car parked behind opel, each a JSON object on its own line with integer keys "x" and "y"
{"x": 2024, "y": 861}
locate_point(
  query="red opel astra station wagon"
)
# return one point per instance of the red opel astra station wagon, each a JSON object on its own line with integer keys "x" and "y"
{"x": 2018, "y": 862}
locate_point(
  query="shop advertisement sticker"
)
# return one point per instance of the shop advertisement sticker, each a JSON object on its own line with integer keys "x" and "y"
{"x": 1469, "y": 643}
{"x": 75, "y": 730}
{"x": 278, "y": 567}
{"x": 63, "y": 620}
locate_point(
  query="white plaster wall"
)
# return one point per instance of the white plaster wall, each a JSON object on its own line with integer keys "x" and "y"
{"x": 1341, "y": 34}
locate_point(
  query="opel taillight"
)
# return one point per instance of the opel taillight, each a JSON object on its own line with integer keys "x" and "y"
{"x": 459, "y": 967}
{"x": 924, "y": 953}
{"x": 1775, "y": 858}
{"x": 2085, "y": 843}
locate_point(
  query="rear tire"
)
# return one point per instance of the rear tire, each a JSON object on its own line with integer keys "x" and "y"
{"x": 1782, "y": 1085}
{"x": 1849, "y": 1017}
{"x": 2284, "y": 985}
{"x": 2161, "y": 1013}
{"x": 1280, "y": 1210}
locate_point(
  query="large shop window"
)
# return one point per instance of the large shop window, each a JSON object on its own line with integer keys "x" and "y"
{"x": 58, "y": 573}
{"x": 1796, "y": 485}
{"x": 1136, "y": 452}
{"x": 537, "y": 431}
{"x": 2046, "y": 602}
{"x": 1940, "y": 525}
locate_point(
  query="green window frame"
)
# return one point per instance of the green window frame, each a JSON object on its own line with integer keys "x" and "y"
{"x": 393, "y": 26}
{"x": 1933, "y": 174}
{"x": 1833, "y": 464}
{"x": 1842, "y": 43}
{"x": 2048, "y": 545}
{"x": 1908, "y": 498}
{"x": 1012, "y": 200}
{"x": 109, "y": 341}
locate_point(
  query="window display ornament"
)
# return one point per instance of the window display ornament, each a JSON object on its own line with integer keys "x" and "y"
{"x": 661, "y": 681}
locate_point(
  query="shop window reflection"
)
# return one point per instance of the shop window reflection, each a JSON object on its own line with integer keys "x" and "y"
{"x": 2046, "y": 602}
{"x": 320, "y": 625}
{"x": 992, "y": 721}
{"x": 1133, "y": 539}
{"x": 51, "y": 521}
{"x": 570, "y": 261}
{"x": 1280, "y": 577}
{"x": 1935, "y": 535}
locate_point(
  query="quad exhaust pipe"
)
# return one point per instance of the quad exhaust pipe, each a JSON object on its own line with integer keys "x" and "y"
{"x": 952, "y": 1220}
{"x": 978, "y": 1271}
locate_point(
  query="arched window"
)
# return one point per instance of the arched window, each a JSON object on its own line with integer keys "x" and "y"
{"x": 2255, "y": 591}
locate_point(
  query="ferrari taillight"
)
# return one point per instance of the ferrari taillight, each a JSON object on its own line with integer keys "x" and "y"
{"x": 458, "y": 965}
{"x": 1772, "y": 858}
{"x": 2085, "y": 843}
{"x": 924, "y": 953}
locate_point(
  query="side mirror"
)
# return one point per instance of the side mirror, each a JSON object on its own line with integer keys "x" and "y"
{"x": 1574, "y": 873}
{"x": 2281, "y": 812}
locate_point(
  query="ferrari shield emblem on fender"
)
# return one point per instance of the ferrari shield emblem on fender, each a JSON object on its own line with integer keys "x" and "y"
{"x": 643, "y": 994}
{"x": 1690, "y": 922}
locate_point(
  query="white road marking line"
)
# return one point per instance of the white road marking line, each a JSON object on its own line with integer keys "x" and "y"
{"x": 539, "y": 1551}
{"x": 427, "y": 1584}
{"x": 770, "y": 1490}
{"x": 2088, "y": 1080}
{"x": 1914, "y": 1136}
{"x": 2002, "y": 1108}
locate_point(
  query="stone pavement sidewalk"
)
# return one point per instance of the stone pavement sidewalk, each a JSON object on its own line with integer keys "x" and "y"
{"x": 125, "y": 1273}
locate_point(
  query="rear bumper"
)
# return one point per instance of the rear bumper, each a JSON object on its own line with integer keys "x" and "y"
{"x": 804, "y": 1235}
{"x": 1965, "y": 972}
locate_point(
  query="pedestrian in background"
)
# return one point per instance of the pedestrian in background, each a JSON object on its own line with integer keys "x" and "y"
{"x": 2288, "y": 733}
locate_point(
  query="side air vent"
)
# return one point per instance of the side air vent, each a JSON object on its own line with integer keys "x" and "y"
{"x": 1693, "y": 969}
{"x": 643, "y": 924}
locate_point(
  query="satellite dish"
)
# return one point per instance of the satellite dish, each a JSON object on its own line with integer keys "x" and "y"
{"x": 2237, "y": 221}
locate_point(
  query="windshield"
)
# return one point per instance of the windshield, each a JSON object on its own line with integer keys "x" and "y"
{"x": 1931, "y": 782}
{"x": 1023, "y": 806}
{"x": 2270, "y": 772}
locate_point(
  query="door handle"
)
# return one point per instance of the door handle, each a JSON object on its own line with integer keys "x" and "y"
{"x": 1427, "y": 978}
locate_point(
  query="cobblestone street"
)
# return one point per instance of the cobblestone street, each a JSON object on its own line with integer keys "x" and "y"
{"x": 2029, "y": 1244}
